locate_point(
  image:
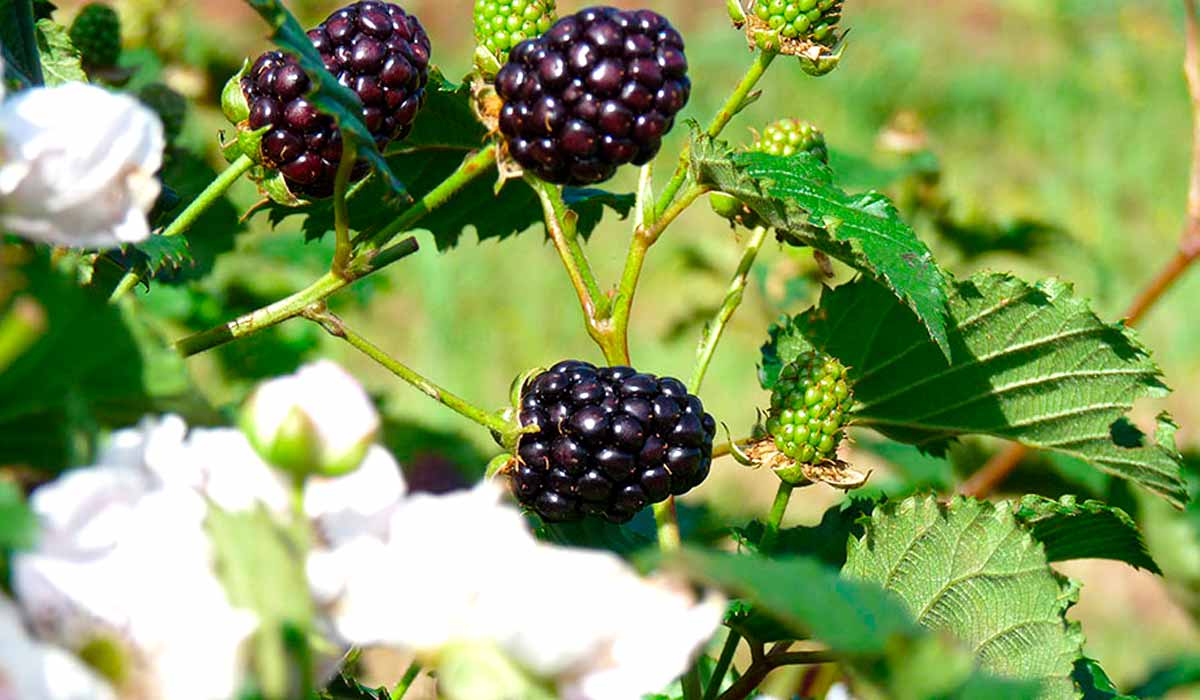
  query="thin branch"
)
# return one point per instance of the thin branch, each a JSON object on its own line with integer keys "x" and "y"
{"x": 341, "y": 213}
{"x": 763, "y": 665}
{"x": 1000, "y": 466}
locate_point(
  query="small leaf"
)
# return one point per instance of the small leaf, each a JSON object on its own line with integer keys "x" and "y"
{"x": 1069, "y": 530}
{"x": 327, "y": 94}
{"x": 971, "y": 571}
{"x": 825, "y": 541}
{"x": 1094, "y": 683}
{"x": 60, "y": 59}
{"x": 1029, "y": 363}
{"x": 797, "y": 196}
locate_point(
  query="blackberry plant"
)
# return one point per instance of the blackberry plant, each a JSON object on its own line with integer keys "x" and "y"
{"x": 905, "y": 590}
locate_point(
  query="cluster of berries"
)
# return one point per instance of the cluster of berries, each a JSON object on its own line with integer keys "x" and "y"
{"x": 787, "y": 137}
{"x": 808, "y": 408}
{"x": 502, "y": 24}
{"x": 811, "y": 20}
{"x": 374, "y": 48}
{"x": 608, "y": 442}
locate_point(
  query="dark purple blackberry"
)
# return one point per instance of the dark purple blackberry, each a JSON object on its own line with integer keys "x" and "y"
{"x": 610, "y": 442}
{"x": 373, "y": 48}
{"x": 597, "y": 91}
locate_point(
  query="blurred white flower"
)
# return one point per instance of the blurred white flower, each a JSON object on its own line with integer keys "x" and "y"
{"x": 30, "y": 670}
{"x": 124, "y": 563}
{"x": 463, "y": 568}
{"x": 318, "y": 420}
{"x": 77, "y": 166}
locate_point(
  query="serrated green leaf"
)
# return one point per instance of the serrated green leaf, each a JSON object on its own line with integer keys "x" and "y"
{"x": 825, "y": 541}
{"x": 164, "y": 253}
{"x": 18, "y": 525}
{"x": 327, "y": 94}
{"x": 18, "y": 38}
{"x": 1030, "y": 363}
{"x": 1094, "y": 683}
{"x": 59, "y": 57}
{"x": 1069, "y": 529}
{"x": 797, "y": 196}
{"x": 867, "y": 628}
{"x": 972, "y": 571}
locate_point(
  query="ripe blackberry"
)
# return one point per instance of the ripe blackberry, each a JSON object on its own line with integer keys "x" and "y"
{"x": 596, "y": 91}
{"x": 610, "y": 442}
{"x": 787, "y": 137}
{"x": 502, "y": 24}
{"x": 807, "y": 20}
{"x": 373, "y": 48}
{"x": 808, "y": 408}
{"x": 96, "y": 32}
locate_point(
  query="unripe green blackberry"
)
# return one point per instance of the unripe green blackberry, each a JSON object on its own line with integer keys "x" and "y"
{"x": 809, "y": 407}
{"x": 502, "y": 24}
{"x": 170, "y": 106}
{"x": 96, "y": 32}
{"x": 787, "y": 137}
{"x": 804, "y": 20}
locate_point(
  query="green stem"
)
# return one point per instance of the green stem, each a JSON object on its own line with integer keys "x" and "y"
{"x": 775, "y": 519}
{"x": 471, "y": 168}
{"x": 561, "y": 225}
{"x": 733, "y": 105}
{"x": 291, "y": 306}
{"x": 733, "y": 299}
{"x": 337, "y": 328}
{"x": 668, "y": 525}
{"x": 210, "y": 196}
{"x": 341, "y": 214}
{"x": 724, "y": 661}
{"x": 414, "y": 670}
{"x": 691, "y": 684}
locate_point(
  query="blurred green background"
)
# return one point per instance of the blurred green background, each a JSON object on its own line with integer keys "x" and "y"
{"x": 1068, "y": 118}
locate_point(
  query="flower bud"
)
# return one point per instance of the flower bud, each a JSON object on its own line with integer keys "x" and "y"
{"x": 317, "y": 421}
{"x": 77, "y": 166}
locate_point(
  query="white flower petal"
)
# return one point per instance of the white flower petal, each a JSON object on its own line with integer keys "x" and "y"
{"x": 33, "y": 671}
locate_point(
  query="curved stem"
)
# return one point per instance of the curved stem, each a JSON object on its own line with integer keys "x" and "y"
{"x": 341, "y": 215}
{"x": 210, "y": 196}
{"x": 724, "y": 661}
{"x": 471, "y": 168}
{"x": 338, "y": 329}
{"x": 734, "y": 104}
{"x": 763, "y": 665}
{"x": 291, "y": 306}
{"x": 733, "y": 299}
{"x": 775, "y": 519}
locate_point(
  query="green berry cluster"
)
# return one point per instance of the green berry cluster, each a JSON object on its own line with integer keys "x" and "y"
{"x": 787, "y": 137}
{"x": 502, "y": 24}
{"x": 808, "y": 408}
{"x": 812, "y": 20}
{"x": 96, "y": 32}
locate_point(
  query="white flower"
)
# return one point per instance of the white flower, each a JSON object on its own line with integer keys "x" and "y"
{"x": 77, "y": 166}
{"x": 124, "y": 560}
{"x": 463, "y": 568}
{"x": 30, "y": 670}
{"x": 318, "y": 420}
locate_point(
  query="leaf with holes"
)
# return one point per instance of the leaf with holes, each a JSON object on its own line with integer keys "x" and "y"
{"x": 971, "y": 570}
{"x": 797, "y": 196}
{"x": 1030, "y": 362}
{"x": 329, "y": 96}
{"x": 1069, "y": 530}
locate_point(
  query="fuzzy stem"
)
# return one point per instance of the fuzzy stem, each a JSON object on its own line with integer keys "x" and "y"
{"x": 733, "y": 105}
{"x": 341, "y": 214}
{"x": 723, "y": 663}
{"x": 410, "y": 675}
{"x": 338, "y": 329}
{"x": 775, "y": 519}
{"x": 291, "y": 306}
{"x": 471, "y": 168}
{"x": 733, "y": 299}
{"x": 210, "y": 196}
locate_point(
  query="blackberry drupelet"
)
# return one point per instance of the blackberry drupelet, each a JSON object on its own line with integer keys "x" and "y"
{"x": 96, "y": 32}
{"x": 610, "y": 442}
{"x": 596, "y": 91}
{"x": 375, "y": 49}
{"x": 808, "y": 408}
{"x": 807, "y": 20}
{"x": 502, "y": 24}
{"x": 787, "y": 137}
